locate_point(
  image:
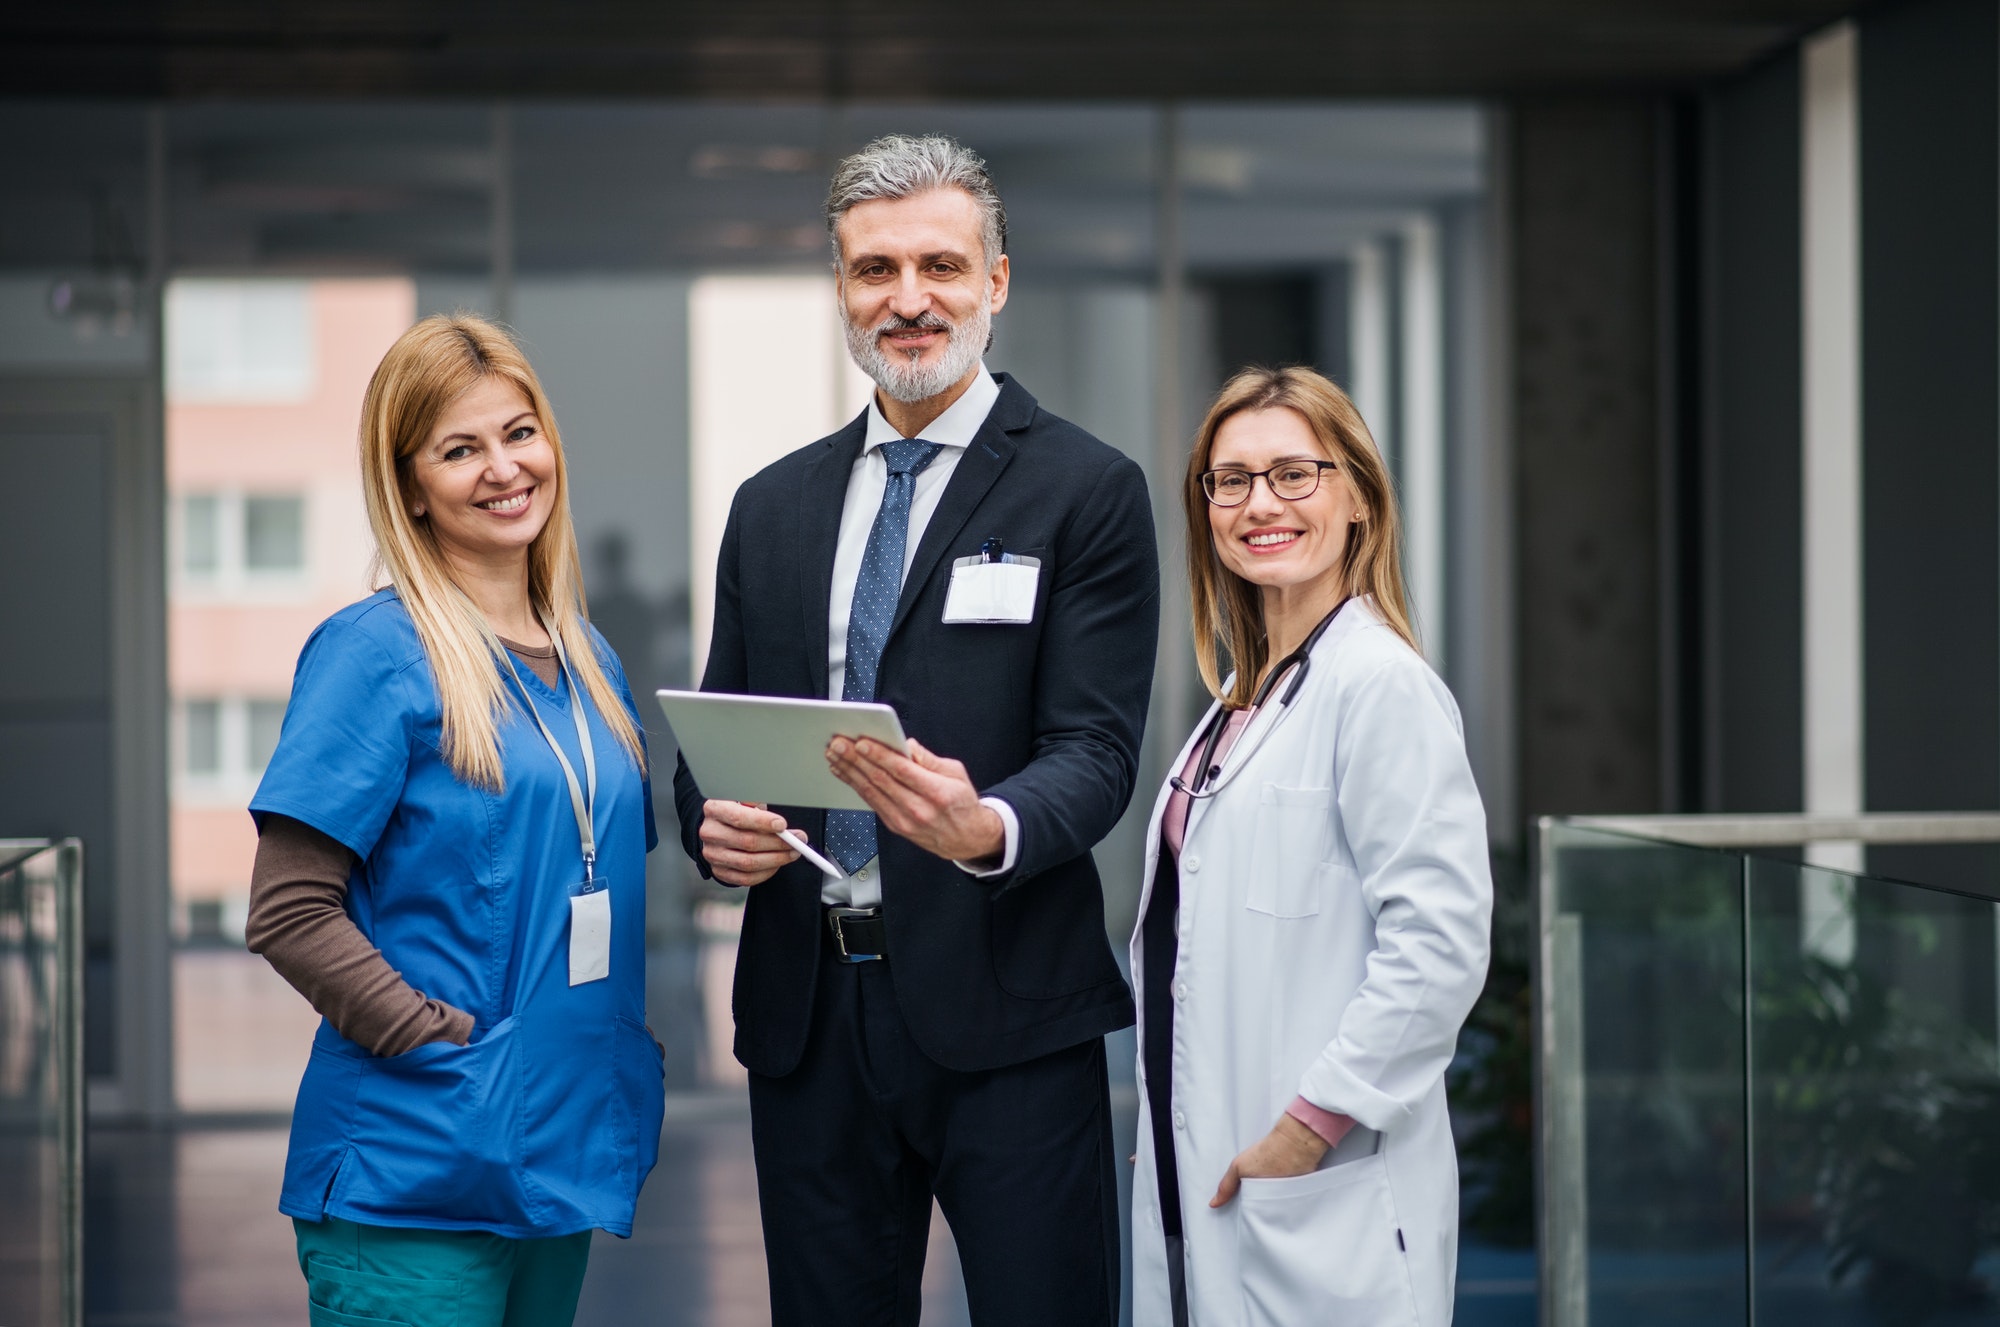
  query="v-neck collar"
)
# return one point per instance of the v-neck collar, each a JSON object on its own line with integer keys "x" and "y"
{"x": 557, "y": 696}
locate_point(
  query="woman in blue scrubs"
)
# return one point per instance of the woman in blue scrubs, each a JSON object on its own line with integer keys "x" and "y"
{"x": 451, "y": 866}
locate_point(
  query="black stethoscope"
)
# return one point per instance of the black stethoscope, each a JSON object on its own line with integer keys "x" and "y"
{"x": 1208, "y": 780}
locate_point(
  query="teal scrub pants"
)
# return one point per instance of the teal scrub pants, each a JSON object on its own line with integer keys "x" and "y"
{"x": 387, "y": 1276}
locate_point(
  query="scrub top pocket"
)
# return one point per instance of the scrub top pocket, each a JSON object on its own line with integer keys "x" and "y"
{"x": 595, "y": 1098}
{"x": 642, "y": 1078}
{"x": 1323, "y": 1248}
{"x": 440, "y": 1121}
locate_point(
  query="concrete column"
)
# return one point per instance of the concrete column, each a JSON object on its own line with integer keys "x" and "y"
{"x": 1928, "y": 112}
{"x": 1583, "y": 189}
{"x": 1750, "y": 518}
{"x": 1928, "y": 99}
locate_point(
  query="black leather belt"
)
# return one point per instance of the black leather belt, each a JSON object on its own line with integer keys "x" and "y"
{"x": 858, "y": 934}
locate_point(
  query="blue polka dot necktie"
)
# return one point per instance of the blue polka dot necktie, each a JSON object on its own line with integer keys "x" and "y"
{"x": 850, "y": 835}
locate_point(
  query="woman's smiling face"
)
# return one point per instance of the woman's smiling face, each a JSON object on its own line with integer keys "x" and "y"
{"x": 1267, "y": 540}
{"x": 485, "y": 478}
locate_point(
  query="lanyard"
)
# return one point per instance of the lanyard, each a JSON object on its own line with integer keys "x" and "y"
{"x": 585, "y": 808}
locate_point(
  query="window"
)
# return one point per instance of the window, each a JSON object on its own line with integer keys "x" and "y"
{"x": 226, "y": 741}
{"x": 229, "y": 540}
{"x": 266, "y": 717}
{"x": 239, "y": 341}
{"x": 201, "y": 741}
{"x": 201, "y": 534}
{"x": 274, "y": 534}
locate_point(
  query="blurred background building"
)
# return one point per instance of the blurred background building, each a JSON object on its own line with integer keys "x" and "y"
{"x": 1679, "y": 323}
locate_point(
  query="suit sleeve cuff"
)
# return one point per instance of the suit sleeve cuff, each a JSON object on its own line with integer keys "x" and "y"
{"x": 1330, "y": 1125}
{"x": 1010, "y": 843}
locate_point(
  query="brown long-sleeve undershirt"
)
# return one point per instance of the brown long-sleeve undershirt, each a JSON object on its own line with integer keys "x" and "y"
{"x": 298, "y": 921}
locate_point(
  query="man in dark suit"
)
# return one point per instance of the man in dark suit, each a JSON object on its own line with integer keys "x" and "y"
{"x": 930, "y": 1021}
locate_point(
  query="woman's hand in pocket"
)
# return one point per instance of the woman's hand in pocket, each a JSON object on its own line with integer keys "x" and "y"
{"x": 1289, "y": 1149}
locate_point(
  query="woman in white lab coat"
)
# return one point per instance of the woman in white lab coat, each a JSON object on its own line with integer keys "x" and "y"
{"x": 1314, "y": 927}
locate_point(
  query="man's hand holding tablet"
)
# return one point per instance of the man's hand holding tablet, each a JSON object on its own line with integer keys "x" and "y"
{"x": 922, "y": 797}
{"x": 756, "y": 747}
{"x": 740, "y": 841}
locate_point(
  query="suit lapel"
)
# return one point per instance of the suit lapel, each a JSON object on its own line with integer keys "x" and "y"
{"x": 820, "y": 499}
{"x": 990, "y": 451}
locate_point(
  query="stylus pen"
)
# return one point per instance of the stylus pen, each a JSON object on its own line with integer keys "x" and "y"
{"x": 798, "y": 840}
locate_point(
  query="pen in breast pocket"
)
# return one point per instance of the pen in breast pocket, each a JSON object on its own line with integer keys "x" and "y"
{"x": 992, "y": 551}
{"x": 798, "y": 840}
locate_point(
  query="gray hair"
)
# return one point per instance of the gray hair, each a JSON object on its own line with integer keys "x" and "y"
{"x": 901, "y": 166}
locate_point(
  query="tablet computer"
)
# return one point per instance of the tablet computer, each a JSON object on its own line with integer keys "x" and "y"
{"x": 773, "y": 748}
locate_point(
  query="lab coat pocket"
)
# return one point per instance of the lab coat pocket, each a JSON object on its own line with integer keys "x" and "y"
{"x": 1293, "y": 837}
{"x": 1324, "y": 1248}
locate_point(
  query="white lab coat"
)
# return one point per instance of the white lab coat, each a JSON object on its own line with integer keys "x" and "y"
{"x": 1333, "y": 933}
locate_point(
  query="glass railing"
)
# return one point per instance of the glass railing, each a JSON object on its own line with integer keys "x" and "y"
{"x": 41, "y": 1083}
{"x": 1769, "y": 1092}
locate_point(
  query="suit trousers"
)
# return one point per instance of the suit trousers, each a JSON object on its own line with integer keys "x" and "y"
{"x": 853, "y": 1143}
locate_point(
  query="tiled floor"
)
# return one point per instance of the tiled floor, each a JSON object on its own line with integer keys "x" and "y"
{"x": 183, "y": 1228}
{"x": 184, "y": 1232}
{"x": 241, "y": 1035}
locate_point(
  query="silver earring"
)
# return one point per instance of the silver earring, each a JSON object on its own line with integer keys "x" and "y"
{"x": 418, "y": 511}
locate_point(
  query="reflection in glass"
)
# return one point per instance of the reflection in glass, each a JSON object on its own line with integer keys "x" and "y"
{"x": 41, "y": 1083}
{"x": 1647, "y": 1156}
{"x": 1744, "y": 1121}
{"x": 1876, "y": 1093}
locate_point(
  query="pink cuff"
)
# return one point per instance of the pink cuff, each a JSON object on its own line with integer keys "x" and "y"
{"x": 1327, "y": 1124}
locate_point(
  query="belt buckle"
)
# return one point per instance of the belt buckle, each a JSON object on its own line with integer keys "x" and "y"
{"x": 837, "y": 914}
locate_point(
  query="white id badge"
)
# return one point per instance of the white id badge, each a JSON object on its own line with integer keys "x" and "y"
{"x": 589, "y": 932}
{"x": 983, "y": 591}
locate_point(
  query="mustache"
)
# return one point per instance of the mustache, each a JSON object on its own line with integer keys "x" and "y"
{"x": 928, "y": 321}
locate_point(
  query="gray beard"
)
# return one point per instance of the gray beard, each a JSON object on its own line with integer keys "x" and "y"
{"x": 907, "y": 381}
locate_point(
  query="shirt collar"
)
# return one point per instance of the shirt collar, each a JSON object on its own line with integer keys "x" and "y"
{"x": 956, "y": 427}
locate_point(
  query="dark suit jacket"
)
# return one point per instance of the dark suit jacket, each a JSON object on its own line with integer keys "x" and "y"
{"x": 1047, "y": 716}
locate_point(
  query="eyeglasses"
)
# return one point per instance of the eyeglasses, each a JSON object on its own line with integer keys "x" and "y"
{"x": 1290, "y": 480}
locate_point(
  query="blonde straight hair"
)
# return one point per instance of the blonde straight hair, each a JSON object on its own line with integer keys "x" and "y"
{"x": 430, "y": 366}
{"x": 1228, "y": 610}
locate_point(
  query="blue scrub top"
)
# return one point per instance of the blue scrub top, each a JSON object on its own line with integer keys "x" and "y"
{"x": 549, "y": 1121}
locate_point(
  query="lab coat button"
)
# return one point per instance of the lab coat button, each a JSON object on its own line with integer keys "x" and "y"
{"x": 1180, "y": 990}
{"x": 1192, "y": 862}
{"x": 1180, "y": 1120}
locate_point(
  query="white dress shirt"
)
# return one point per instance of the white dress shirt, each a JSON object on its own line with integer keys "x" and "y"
{"x": 953, "y": 430}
